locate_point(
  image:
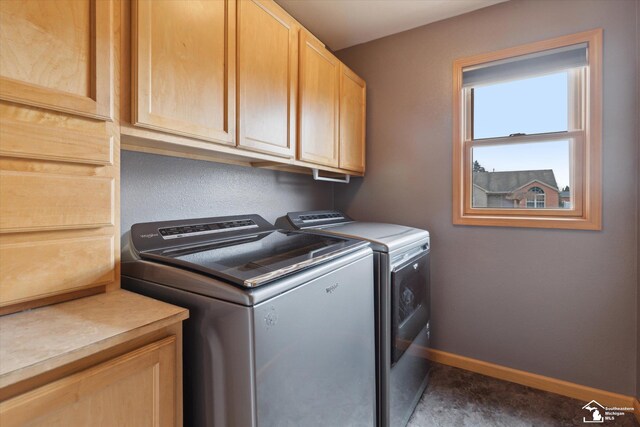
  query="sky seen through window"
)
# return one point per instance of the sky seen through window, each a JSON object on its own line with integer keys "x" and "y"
{"x": 532, "y": 105}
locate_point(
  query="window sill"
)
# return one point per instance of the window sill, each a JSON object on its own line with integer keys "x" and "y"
{"x": 568, "y": 223}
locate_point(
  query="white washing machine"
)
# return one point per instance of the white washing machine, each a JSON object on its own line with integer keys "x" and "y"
{"x": 402, "y": 295}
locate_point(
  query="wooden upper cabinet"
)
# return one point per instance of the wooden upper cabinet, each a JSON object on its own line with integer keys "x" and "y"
{"x": 57, "y": 55}
{"x": 353, "y": 92}
{"x": 267, "y": 78}
{"x": 319, "y": 97}
{"x": 245, "y": 74}
{"x": 184, "y": 67}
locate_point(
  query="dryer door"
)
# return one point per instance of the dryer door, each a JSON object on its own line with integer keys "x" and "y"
{"x": 409, "y": 303}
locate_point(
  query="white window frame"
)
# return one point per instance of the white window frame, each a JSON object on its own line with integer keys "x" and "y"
{"x": 539, "y": 198}
{"x": 584, "y": 136}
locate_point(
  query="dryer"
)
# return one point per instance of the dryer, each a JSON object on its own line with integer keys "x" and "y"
{"x": 402, "y": 294}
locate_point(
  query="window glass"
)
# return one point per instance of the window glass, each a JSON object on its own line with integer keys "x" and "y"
{"x": 527, "y": 142}
{"x": 531, "y": 105}
{"x": 528, "y": 175}
{"x": 536, "y": 198}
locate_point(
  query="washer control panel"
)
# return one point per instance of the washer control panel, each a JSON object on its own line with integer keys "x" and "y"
{"x": 167, "y": 235}
{"x": 210, "y": 228}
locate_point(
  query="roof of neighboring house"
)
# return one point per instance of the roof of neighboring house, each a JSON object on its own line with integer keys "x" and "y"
{"x": 509, "y": 181}
{"x": 566, "y": 194}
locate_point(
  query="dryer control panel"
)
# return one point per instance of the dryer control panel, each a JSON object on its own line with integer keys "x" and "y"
{"x": 311, "y": 219}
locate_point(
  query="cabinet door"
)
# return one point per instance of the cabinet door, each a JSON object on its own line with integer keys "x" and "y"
{"x": 352, "y": 120}
{"x": 267, "y": 78}
{"x": 59, "y": 150}
{"x": 57, "y": 55}
{"x": 137, "y": 389}
{"x": 184, "y": 67}
{"x": 319, "y": 103}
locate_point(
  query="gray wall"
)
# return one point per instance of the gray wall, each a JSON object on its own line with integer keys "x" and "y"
{"x": 156, "y": 188}
{"x": 555, "y": 302}
{"x": 638, "y": 184}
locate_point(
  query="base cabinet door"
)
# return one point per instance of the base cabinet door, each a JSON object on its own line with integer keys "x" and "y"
{"x": 184, "y": 67}
{"x": 267, "y": 78}
{"x": 136, "y": 389}
{"x": 352, "y": 120}
{"x": 319, "y": 103}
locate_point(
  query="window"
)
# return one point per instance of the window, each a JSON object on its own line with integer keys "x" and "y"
{"x": 535, "y": 198}
{"x": 527, "y": 135}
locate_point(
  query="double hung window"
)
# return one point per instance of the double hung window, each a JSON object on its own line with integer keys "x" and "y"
{"x": 527, "y": 125}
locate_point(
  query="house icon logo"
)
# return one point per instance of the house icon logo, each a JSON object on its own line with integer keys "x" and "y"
{"x": 596, "y": 412}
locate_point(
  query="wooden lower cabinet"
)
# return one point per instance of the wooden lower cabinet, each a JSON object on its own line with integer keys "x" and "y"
{"x": 136, "y": 389}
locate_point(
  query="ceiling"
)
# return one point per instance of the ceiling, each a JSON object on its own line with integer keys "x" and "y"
{"x": 343, "y": 23}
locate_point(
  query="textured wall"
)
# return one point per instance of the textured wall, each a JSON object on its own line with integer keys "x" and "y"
{"x": 156, "y": 188}
{"x": 638, "y": 184}
{"x": 560, "y": 303}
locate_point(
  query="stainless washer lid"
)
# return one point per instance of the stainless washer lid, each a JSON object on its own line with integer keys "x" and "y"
{"x": 383, "y": 237}
{"x": 258, "y": 259}
{"x": 244, "y": 250}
